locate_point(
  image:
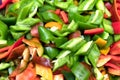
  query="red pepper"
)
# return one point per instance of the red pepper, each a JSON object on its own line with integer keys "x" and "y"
{"x": 4, "y": 49}
{"x": 115, "y": 48}
{"x": 116, "y": 27}
{"x": 94, "y": 31}
{"x": 112, "y": 65}
{"x": 57, "y": 11}
{"x": 64, "y": 16}
{"x": 108, "y": 5}
{"x": 114, "y": 71}
{"x": 16, "y": 44}
{"x": 4, "y": 3}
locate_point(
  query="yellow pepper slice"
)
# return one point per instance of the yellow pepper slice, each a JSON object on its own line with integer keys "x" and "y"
{"x": 105, "y": 50}
{"x": 56, "y": 25}
{"x": 44, "y": 72}
{"x": 34, "y": 42}
{"x": 101, "y": 42}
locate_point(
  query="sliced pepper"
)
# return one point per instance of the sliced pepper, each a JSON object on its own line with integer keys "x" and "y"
{"x": 64, "y": 16}
{"x": 105, "y": 50}
{"x": 93, "y": 31}
{"x": 53, "y": 25}
{"x": 116, "y": 27}
{"x": 101, "y": 42}
{"x": 80, "y": 71}
{"x": 44, "y": 72}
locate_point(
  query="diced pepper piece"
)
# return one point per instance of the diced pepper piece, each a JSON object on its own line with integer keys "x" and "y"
{"x": 4, "y": 49}
{"x": 103, "y": 60}
{"x": 64, "y": 16}
{"x": 86, "y": 47}
{"x": 93, "y": 31}
{"x": 4, "y": 3}
{"x": 80, "y": 71}
{"x": 105, "y": 50}
{"x": 34, "y": 42}
{"x": 54, "y": 25}
{"x": 114, "y": 71}
{"x": 44, "y": 72}
{"x": 28, "y": 74}
{"x": 112, "y": 65}
{"x": 116, "y": 27}
{"x": 57, "y": 11}
{"x": 101, "y": 42}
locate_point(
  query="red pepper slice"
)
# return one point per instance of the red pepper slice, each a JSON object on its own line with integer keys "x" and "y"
{"x": 4, "y": 3}
{"x": 108, "y": 5}
{"x": 64, "y": 16}
{"x": 94, "y": 31}
{"x": 114, "y": 71}
{"x": 57, "y": 11}
{"x": 4, "y": 49}
{"x": 16, "y": 44}
{"x": 111, "y": 65}
{"x": 116, "y": 27}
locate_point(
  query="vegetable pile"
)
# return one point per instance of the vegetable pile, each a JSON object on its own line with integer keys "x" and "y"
{"x": 60, "y": 40}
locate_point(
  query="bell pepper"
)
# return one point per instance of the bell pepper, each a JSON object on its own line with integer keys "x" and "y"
{"x": 34, "y": 42}
{"x": 85, "y": 48}
{"x": 101, "y": 42}
{"x": 24, "y": 10}
{"x": 96, "y": 17}
{"x": 105, "y": 50}
{"x": 73, "y": 44}
{"x": 86, "y": 5}
{"x": 114, "y": 71}
{"x": 3, "y": 31}
{"x": 51, "y": 52}
{"x": 64, "y": 16}
{"x": 44, "y": 72}
{"x": 60, "y": 40}
{"x": 115, "y": 26}
{"x": 107, "y": 26}
{"x": 4, "y": 65}
{"x": 4, "y": 3}
{"x": 28, "y": 73}
{"x": 80, "y": 71}
{"x": 103, "y": 59}
{"x": 62, "y": 59}
{"x": 93, "y": 31}
{"x": 8, "y": 20}
{"x": 45, "y": 35}
{"x": 53, "y": 25}
{"x": 63, "y": 5}
{"x": 49, "y": 16}
{"x": 93, "y": 55}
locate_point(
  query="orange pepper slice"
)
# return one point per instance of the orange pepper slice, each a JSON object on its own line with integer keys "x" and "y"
{"x": 53, "y": 24}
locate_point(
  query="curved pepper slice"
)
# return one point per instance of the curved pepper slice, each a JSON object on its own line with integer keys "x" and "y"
{"x": 3, "y": 30}
{"x": 53, "y": 24}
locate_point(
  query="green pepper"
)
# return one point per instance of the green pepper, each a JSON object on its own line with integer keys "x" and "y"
{"x": 24, "y": 12}
{"x": 4, "y": 65}
{"x": 87, "y": 5}
{"x": 45, "y": 35}
{"x": 59, "y": 41}
{"x": 107, "y": 26}
{"x": 93, "y": 55}
{"x": 98, "y": 74}
{"x": 96, "y": 17}
{"x": 8, "y": 20}
{"x": 62, "y": 59}
{"x": 68, "y": 75}
{"x": 80, "y": 72}
{"x": 51, "y": 52}
{"x": 3, "y": 30}
{"x": 84, "y": 49}
{"x": 73, "y": 44}
{"x": 49, "y": 16}
{"x": 63, "y": 5}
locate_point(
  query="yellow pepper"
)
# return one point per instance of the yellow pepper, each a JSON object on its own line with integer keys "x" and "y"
{"x": 101, "y": 42}
{"x": 56, "y": 25}
{"x": 76, "y": 2}
{"x": 102, "y": 70}
{"x": 44, "y": 72}
{"x": 105, "y": 50}
{"x": 34, "y": 42}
